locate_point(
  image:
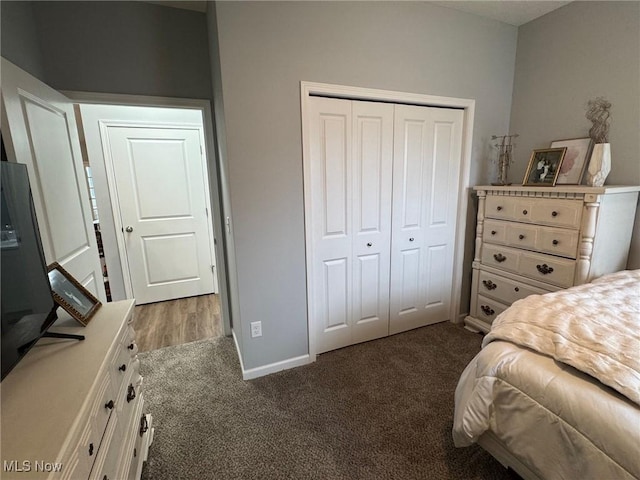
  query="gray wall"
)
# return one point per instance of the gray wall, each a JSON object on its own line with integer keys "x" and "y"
{"x": 266, "y": 49}
{"x": 19, "y": 42}
{"x": 576, "y": 53}
{"x": 124, "y": 47}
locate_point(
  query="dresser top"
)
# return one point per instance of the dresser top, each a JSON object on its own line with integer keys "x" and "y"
{"x": 580, "y": 189}
{"x": 45, "y": 393}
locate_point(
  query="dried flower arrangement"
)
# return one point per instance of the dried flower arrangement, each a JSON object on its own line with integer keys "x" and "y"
{"x": 598, "y": 112}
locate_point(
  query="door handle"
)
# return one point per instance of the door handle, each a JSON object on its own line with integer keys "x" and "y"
{"x": 129, "y": 229}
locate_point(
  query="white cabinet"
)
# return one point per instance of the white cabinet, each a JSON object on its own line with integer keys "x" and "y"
{"x": 77, "y": 406}
{"x": 381, "y": 200}
{"x": 534, "y": 240}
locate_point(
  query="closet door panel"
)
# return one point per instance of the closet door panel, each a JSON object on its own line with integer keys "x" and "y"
{"x": 372, "y": 170}
{"x": 427, "y": 155}
{"x": 330, "y": 142}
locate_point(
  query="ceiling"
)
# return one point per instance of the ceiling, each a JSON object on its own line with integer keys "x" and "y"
{"x": 508, "y": 11}
{"x": 512, "y": 12}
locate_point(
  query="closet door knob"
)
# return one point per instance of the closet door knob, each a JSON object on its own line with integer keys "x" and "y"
{"x": 129, "y": 229}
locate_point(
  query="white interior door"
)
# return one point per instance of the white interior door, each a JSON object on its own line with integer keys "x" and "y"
{"x": 426, "y": 173}
{"x": 40, "y": 131}
{"x": 351, "y": 153}
{"x": 161, "y": 188}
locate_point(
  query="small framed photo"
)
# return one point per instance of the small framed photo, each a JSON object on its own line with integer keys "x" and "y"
{"x": 575, "y": 160}
{"x": 68, "y": 293}
{"x": 544, "y": 167}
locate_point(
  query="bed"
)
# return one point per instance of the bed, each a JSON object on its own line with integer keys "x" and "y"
{"x": 555, "y": 391}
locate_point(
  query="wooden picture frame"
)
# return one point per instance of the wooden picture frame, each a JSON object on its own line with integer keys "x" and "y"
{"x": 544, "y": 167}
{"x": 68, "y": 293}
{"x": 575, "y": 160}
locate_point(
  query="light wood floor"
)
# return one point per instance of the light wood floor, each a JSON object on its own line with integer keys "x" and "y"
{"x": 176, "y": 322}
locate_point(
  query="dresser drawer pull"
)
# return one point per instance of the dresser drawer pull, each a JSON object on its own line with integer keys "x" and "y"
{"x": 144, "y": 425}
{"x": 544, "y": 269}
{"x": 123, "y": 368}
{"x": 555, "y": 242}
{"x": 498, "y": 208}
{"x": 109, "y": 405}
{"x": 517, "y": 289}
{"x": 493, "y": 232}
{"x": 499, "y": 257}
{"x": 369, "y": 244}
{"x": 524, "y": 212}
{"x": 489, "y": 284}
{"x": 411, "y": 239}
{"x": 130, "y": 346}
{"x": 554, "y": 214}
{"x": 90, "y": 449}
{"x": 487, "y": 310}
{"x": 105, "y": 478}
{"x": 521, "y": 237}
{"x": 131, "y": 393}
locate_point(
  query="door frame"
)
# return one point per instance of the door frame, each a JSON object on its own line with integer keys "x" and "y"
{"x": 216, "y": 178}
{"x": 309, "y": 89}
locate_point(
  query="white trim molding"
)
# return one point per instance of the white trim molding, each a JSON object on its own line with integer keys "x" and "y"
{"x": 270, "y": 368}
{"x": 309, "y": 89}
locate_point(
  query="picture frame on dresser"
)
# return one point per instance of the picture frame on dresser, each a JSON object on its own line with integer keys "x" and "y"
{"x": 544, "y": 167}
{"x": 68, "y": 293}
{"x": 575, "y": 160}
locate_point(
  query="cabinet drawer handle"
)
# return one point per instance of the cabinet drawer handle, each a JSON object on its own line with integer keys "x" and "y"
{"x": 489, "y": 284}
{"x": 90, "y": 449}
{"x": 544, "y": 269}
{"x": 499, "y": 208}
{"x": 131, "y": 393}
{"x": 524, "y": 212}
{"x": 109, "y": 405}
{"x": 130, "y": 346}
{"x": 144, "y": 425}
{"x": 123, "y": 368}
{"x": 554, "y": 214}
{"x": 521, "y": 237}
{"x": 517, "y": 289}
{"x": 555, "y": 242}
{"x": 487, "y": 310}
{"x": 499, "y": 257}
{"x": 493, "y": 232}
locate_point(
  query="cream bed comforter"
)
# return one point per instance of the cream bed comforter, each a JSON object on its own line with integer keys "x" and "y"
{"x": 539, "y": 382}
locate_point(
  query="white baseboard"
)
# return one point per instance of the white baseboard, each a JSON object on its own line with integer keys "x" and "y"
{"x": 275, "y": 367}
{"x": 270, "y": 368}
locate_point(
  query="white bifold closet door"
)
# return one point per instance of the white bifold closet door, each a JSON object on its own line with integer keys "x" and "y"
{"x": 383, "y": 200}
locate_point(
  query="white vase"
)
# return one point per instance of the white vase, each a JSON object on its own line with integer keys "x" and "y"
{"x": 599, "y": 165}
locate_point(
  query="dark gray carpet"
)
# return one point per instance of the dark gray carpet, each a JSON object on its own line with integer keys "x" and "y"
{"x": 380, "y": 410}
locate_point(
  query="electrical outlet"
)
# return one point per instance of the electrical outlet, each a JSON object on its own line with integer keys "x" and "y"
{"x": 256, "y": 329}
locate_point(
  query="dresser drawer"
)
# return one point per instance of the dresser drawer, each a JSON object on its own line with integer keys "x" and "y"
{"x": 547, "y": 268}
{"x": 488, "y": 309}
{"x": 557, "y": 212}
{"x": 547, "y": 211}
{"x": 503, "y": 289}
{"x": 504, "y": 258}
{"x": 556, "y": 241}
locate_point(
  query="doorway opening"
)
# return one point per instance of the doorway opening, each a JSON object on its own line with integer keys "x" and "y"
{"x": 149, "y": 183}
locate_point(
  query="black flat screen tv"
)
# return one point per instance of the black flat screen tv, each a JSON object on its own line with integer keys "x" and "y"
{"x": 28, "y": 308}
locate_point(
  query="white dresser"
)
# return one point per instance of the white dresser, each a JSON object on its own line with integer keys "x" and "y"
{"x": 75, "y": 409}
{"x": 541, "y": 239}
